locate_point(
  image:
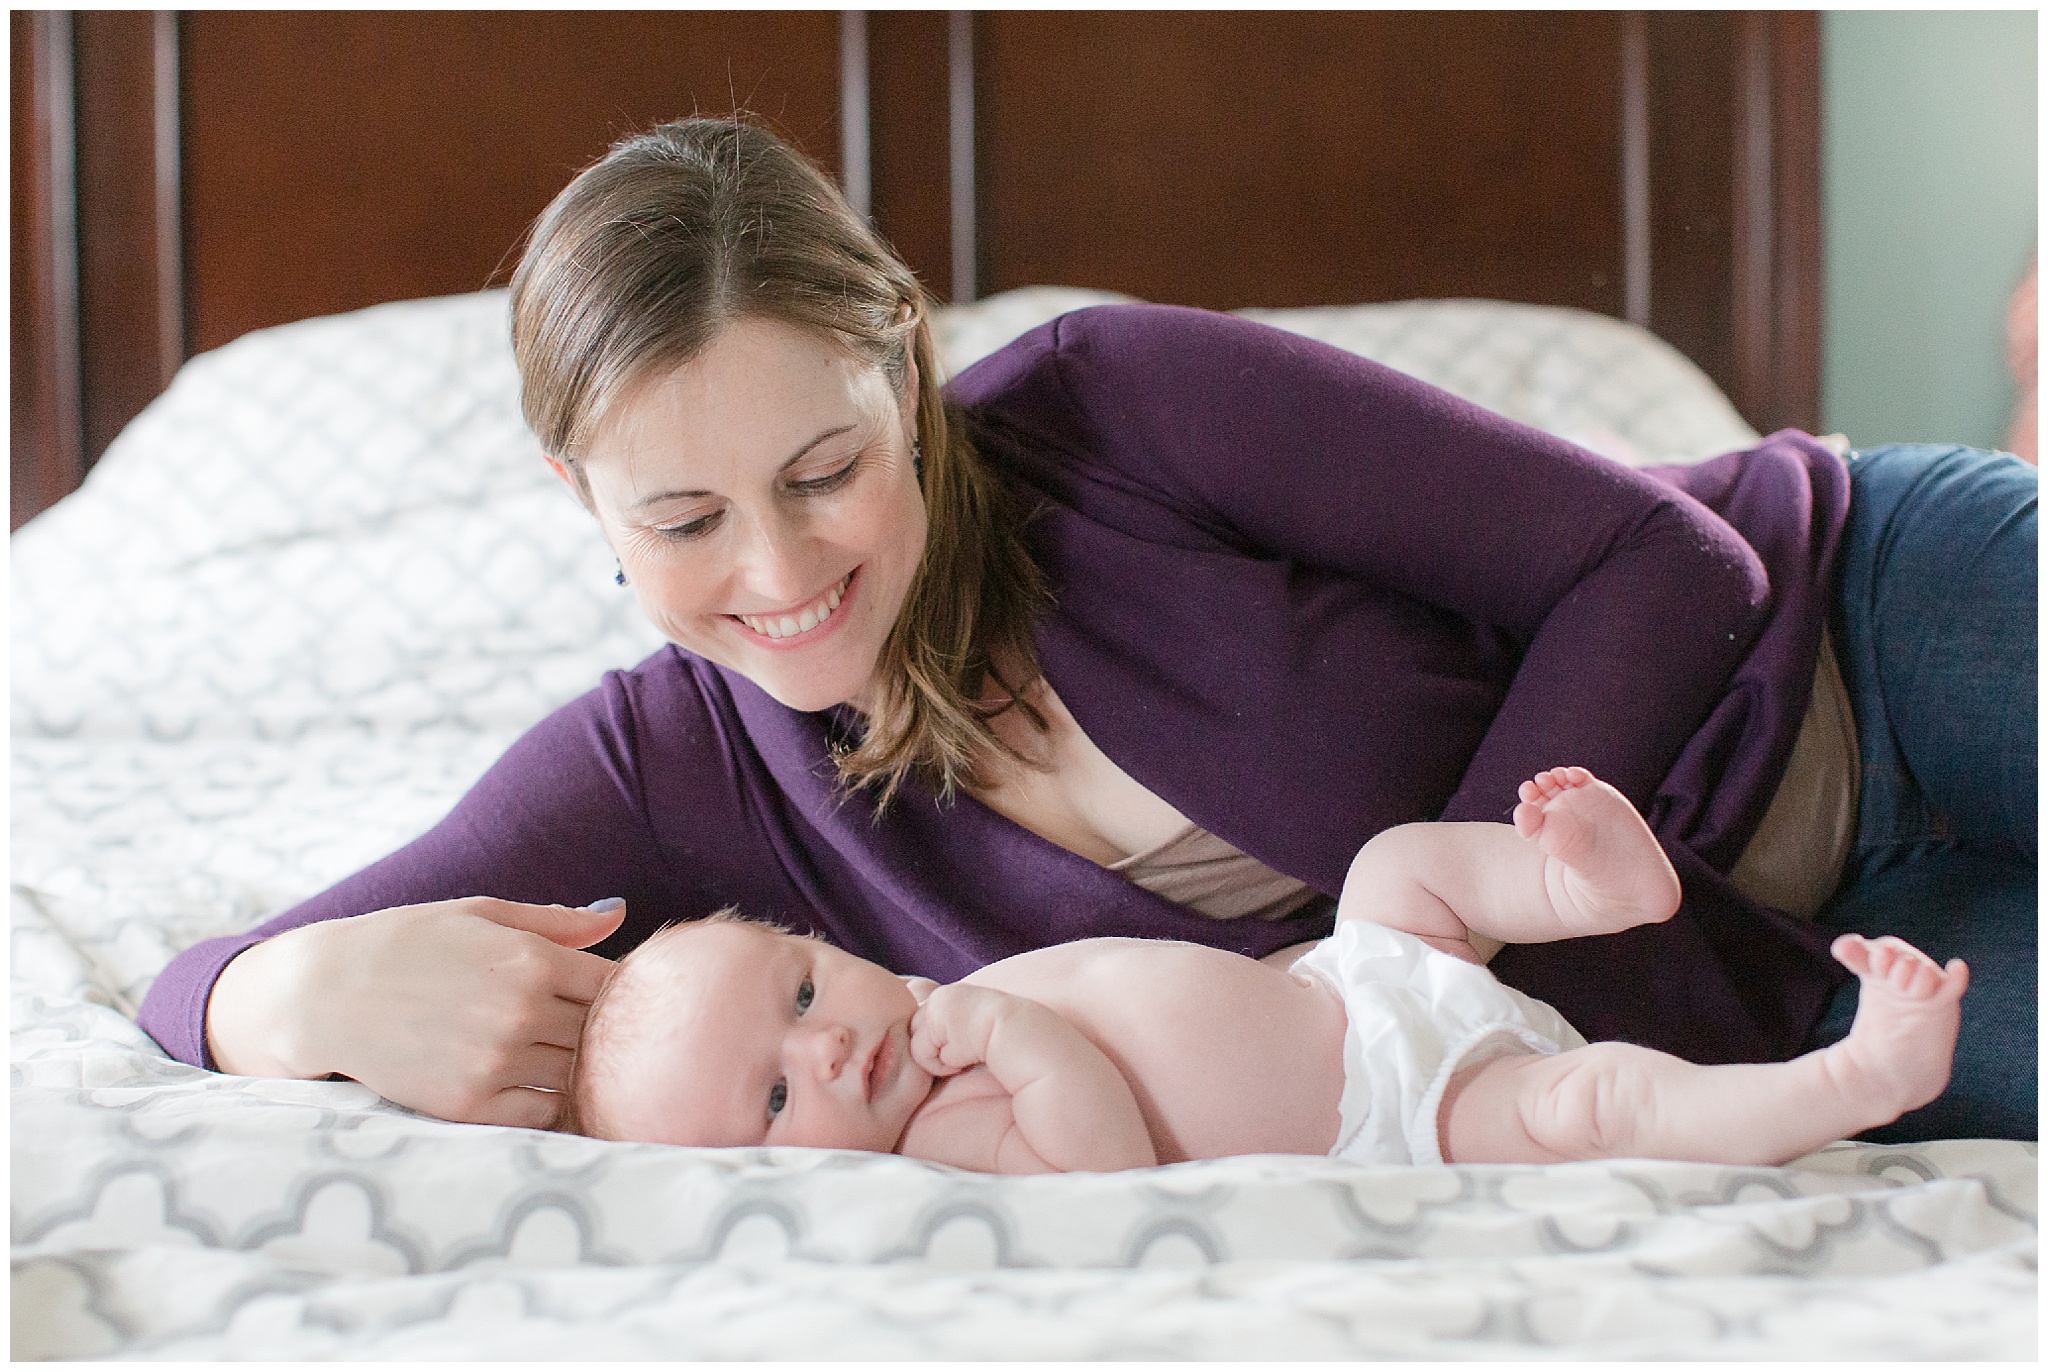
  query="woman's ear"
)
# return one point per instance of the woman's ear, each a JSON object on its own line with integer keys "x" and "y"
{"x": 910, "y": 378}
{"x": 566, "y": 471}
{"x": 908, "y": 403}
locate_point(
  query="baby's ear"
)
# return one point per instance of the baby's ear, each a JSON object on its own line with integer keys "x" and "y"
{"x": 921, "y": 987}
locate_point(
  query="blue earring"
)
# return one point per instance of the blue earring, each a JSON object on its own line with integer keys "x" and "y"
{"x": 619, "y": 577}
{"x": 917, "y": 458}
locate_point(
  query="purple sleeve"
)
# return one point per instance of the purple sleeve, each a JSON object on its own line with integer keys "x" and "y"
{"x": 1632, "y": 602}
{"x": 560, "y": 819}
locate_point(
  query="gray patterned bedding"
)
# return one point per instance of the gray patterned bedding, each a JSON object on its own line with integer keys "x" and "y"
{"x": 324, "y": 581}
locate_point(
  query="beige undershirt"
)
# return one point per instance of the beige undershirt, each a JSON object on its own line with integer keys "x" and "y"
{"x": 1199, "y": 870}
{"x": 1793, "y": 862}
{"x": 1795, "y": 859}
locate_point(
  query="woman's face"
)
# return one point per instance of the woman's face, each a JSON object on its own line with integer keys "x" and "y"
{"x": 763, "y": 504}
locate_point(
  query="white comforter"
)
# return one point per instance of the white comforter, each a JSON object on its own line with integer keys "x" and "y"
{"x": 325, "y": 581}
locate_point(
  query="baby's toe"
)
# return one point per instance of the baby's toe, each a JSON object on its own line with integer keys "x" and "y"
{"x": 1888, "y": 958}
{"x": 1853, "y": 952}
{"x": 1915, "y": 980}
{"x": 1904, "y": 952}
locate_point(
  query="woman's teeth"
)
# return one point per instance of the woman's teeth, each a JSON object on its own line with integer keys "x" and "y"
{"x": 812, "y": 615}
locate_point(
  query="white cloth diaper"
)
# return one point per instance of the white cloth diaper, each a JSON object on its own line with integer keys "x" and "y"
{"x": 1413, "y": 1017}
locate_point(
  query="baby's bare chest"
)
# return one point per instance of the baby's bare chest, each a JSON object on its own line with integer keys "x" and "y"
{"x": 1226, "y": 1055}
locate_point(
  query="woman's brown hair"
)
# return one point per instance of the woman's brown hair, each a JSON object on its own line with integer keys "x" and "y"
{"x": 652, "y": 250}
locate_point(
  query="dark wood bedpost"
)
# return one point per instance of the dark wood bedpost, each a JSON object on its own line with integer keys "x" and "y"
{"x": 45, "y": 436}
{"x": 1734, "y": 192}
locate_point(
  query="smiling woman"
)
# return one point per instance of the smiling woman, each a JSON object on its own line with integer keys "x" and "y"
{"x": 763, "y": 501}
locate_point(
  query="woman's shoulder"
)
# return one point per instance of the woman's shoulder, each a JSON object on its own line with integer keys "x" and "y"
{"x": 665, "y": 677}
{"x": 1122, "y": 349}
{"x": 668, "y": 700}
{"x": 667, "y": 736}
{"x": 1161, "y": 399}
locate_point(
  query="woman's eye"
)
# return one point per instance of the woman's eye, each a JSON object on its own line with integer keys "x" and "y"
{"x": 778, "y": 1096}
{"x": 805, "y": 994}
{"x": 819, "y": 485}
{"x": 688, "y": 529}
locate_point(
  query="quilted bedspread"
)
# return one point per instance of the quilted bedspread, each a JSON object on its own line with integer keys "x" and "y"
{"x": 325, "y": 580}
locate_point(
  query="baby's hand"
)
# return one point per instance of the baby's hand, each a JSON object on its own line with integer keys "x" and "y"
{"x": 950, "y": 1031}
{"x": 921, "y": 987}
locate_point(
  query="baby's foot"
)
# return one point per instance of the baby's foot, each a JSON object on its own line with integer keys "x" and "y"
{"x": 1605, "y": 870}
{"x": 1899, "y": 1051}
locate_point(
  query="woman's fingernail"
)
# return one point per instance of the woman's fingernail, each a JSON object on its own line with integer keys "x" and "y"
{"x": 598, "y": 907}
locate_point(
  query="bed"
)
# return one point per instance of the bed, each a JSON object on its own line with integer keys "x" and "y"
{"x": 320, "y": 583}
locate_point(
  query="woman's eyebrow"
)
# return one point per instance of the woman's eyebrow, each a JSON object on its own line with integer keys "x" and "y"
{"x": 787, "y": 463}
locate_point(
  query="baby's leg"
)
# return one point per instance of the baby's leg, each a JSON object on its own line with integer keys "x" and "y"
{"x": 1618, "y": 1100}
{"x": 1578, "y": 860}
{"x": 1604, "y": 871}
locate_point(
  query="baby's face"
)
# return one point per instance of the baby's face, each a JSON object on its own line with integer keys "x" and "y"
{"x": 777, "y": 1039}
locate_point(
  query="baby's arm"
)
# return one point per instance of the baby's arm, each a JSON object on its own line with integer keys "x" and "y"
{"x": 1578, "y": 860}
{"x": 1069, "y": 1108}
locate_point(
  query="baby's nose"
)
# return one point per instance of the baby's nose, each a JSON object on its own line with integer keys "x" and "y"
{"x": 829, "y": 1046}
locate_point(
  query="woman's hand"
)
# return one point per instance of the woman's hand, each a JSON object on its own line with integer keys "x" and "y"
{"x": 466, "y": 1009}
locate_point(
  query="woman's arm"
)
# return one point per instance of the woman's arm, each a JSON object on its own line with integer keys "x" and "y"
{"x": 1630, "y": 602}
{"x": 446, "y": 976}
{"x": 1070, "y": 1108}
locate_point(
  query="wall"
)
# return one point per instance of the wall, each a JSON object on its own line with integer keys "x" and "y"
{"x": 1929, "y": 199}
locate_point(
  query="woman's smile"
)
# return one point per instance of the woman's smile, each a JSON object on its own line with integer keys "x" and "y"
{"x": 805, "y": 624}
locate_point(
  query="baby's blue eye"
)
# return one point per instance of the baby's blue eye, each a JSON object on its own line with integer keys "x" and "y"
{"x": 778, "y": 1096}
{"x": 805, "y": 994}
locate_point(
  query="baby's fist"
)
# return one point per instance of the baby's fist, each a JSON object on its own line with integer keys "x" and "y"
{"x": 949, "y": 1033}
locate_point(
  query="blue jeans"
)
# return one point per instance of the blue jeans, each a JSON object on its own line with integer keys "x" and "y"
{"x": 1935, "y": 628}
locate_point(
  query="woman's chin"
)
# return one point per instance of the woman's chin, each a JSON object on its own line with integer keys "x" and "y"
{"x": 803, "y": 701}
{"x": 804, "y": 692}
{"x": 807, "y": 679}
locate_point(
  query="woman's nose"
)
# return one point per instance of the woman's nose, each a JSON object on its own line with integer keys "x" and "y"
{"x": 772, "y": 565}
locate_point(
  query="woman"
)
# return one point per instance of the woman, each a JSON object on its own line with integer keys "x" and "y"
{"x": 1143, "y": 629}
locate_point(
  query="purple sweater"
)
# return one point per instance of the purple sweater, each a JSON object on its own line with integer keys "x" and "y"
{"x": 1299, "y": 596}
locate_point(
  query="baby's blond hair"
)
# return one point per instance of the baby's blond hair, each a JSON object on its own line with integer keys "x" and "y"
{"x": 625, "y": 1006}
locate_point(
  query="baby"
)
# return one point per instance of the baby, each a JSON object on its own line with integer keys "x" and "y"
{"x": 1389, "y": 1041}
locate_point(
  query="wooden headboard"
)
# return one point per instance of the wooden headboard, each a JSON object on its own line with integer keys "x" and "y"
{"x": 182, "y": 178}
